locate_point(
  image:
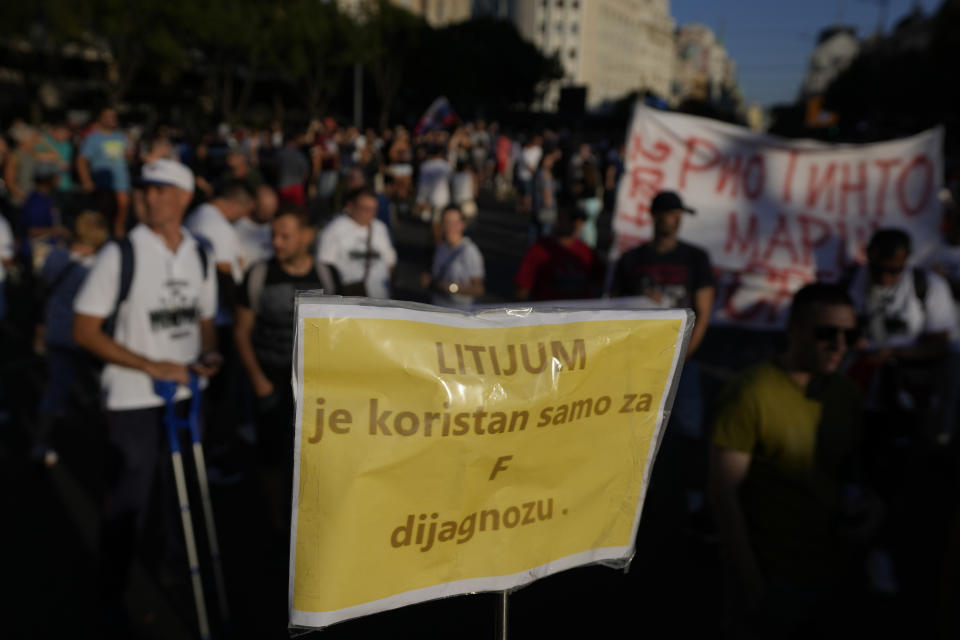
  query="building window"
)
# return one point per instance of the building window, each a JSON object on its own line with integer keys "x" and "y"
{"x": 574, "y": 27}
{"x": 543, "y": 27}
{"x": 572, "y": 53}
{"x": 559, "y": 27}
{"x": 559, "y": 4}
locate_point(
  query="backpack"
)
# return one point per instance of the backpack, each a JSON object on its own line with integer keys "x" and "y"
{"x": 257, "y": 278}
{"x": 126, "y": 274}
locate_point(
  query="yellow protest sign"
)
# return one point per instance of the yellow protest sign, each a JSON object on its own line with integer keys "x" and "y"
{"x": 440, "y": 453}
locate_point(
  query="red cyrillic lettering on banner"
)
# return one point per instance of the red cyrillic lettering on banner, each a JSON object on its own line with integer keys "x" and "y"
{"x": 641, "y": 217}
{"x": 688, "y": 165}
{"x": 659, "y": 153}
{"x": 754, "y": 167}
{"x": 781, "y": 239}
{"x": 788, "y": 182}
{"x": 729, "y": 170}
{"x": 744, "y": 244}
{"x": 645, "y": 182}
{"x": 920, "y": 160}
{"x": 816, "y": 186}
{"x": 885, "y": 166}
{"x": 859, "y": 187}
{"x": 809, "y": 242}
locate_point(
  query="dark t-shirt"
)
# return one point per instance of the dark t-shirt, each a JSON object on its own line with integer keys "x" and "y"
{"x": 273, "y": 328}
{"x": 677, "y": 274}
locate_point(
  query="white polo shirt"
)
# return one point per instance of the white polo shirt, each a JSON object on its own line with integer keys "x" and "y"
{"x": 159, "y": 319}
{"x": 256, "y": 242}
{"x": 209, "y": 222}
{"x": 344, "y": 245}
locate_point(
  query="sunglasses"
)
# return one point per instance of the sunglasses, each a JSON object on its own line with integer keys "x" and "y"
{"x": 828, "y": 333}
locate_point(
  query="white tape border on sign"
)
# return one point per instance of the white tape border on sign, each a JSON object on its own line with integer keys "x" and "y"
{"x": 313, "y": 304}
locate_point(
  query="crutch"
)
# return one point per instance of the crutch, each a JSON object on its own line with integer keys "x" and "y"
{"x": 167, "y": 390}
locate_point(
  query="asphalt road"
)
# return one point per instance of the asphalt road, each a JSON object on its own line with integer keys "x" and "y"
{"x": 49, "y": 524}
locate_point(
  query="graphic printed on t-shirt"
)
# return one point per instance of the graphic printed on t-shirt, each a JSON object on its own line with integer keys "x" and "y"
{"x": 363, "y": 254}
{"x": 175, "y": 310}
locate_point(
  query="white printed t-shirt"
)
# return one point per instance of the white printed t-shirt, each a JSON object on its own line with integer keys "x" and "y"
{"x": 7, "y": 245}
{"x": 433, "y": 185}
{"x": 159, "y": 320}
{"x": 256, "y": 242}
{"x": 895, "y": 315}
{"x": 343, "y": 244}
{"x": 207, "y": 221}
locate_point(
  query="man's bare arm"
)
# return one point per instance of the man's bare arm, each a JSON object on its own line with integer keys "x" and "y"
{"x": 727, "y": 471}
{"x": 703, "y": 306}
{"x": 243, "y": 321}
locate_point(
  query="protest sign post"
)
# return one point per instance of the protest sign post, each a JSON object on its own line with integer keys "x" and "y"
{"x": 441, "y": 452}
{"x": 774, "y": 213}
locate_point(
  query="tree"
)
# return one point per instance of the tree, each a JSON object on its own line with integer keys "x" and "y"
{"x": 129, "y": 40}
{"x": 389, "y": 38}
{"x": 236, "y": 38}
{"x": 483, "y": 65}
{"x": 318, "y": 44}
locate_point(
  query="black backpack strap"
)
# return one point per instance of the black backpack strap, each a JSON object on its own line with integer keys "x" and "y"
{"x": 920, "y": 285}
{"x": 126, "y": 270}
{"x": 204, "y": 247}
{"x": 126, "y": 280}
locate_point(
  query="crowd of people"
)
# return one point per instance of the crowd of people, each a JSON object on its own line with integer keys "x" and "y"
{"x": 128, "y": 257}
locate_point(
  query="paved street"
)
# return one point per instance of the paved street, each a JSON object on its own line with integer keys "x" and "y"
{"x": 48, "y": 538}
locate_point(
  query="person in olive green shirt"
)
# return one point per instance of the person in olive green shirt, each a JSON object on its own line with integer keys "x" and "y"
{"x": 783, "y": 478}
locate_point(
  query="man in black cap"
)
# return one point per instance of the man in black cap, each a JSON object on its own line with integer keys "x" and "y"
{"x": 667, "y": 270}
{"x": 672, "y": 273}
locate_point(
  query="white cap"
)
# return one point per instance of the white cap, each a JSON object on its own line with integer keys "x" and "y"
{"x": 168, "y": 172}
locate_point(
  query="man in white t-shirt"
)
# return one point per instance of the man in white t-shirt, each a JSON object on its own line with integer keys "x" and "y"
{"x": 433, "y": 186}
{"x": 907, "y": 316}
{"x": 215, "y": 221}
{"x": 254, "y": 231}
{"x": 358, "y": 246}
{"x": 163, "y": 331}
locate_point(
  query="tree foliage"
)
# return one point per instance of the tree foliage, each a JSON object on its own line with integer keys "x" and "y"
{"x": 301, "y": 49}
{"x": 906, "y": 81}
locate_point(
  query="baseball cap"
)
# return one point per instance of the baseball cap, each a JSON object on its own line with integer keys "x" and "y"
{"x": 668, "y": 201}
{"x": 169, "y": 172}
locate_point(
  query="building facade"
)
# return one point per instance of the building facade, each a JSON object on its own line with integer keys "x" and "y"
{"x": 438, "y": 13}
{"x": 836, "y": 48}
{"x": 704, "y": 70}
{"x": 612, "y": 47}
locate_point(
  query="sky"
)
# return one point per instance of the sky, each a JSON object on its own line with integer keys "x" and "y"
{"x": 771, "y": 40}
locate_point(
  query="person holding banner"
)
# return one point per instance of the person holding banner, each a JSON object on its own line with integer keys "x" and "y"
{"x": 784, "y": 482}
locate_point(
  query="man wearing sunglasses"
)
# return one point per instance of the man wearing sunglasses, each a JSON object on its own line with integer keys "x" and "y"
{"x": 782, "y": 461}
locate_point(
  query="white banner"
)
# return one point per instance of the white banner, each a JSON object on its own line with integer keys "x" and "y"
{"x": 773, "y": 213}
